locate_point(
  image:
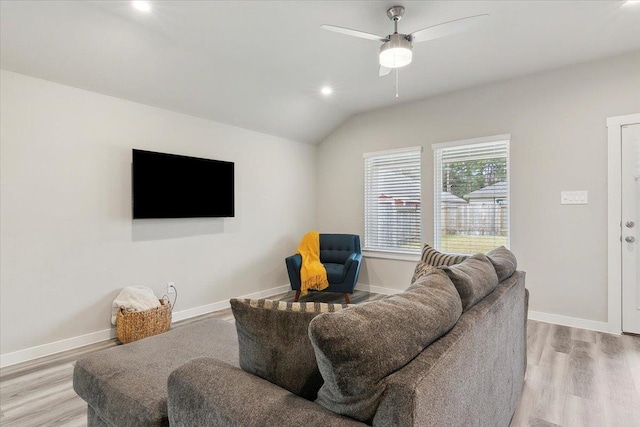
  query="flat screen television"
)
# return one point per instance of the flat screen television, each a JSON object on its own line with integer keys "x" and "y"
{"x": 172, "y": 186}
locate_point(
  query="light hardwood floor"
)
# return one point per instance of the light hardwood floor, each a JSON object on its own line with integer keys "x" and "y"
{"x": 574, "y": 377}
{"x": 577, "y": 377}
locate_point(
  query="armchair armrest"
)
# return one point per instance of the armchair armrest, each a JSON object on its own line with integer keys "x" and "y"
{"x": 208, "y": 391}
{"x": 354, "y": 257}
{"x": 352, "y": 267}
{"x": 294, "y": 263}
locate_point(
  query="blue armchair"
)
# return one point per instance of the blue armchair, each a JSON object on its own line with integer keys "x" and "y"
{"x": 341, "y": 256}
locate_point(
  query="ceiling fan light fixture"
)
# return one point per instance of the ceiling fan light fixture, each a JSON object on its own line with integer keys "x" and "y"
{"x": 396, "y": 52}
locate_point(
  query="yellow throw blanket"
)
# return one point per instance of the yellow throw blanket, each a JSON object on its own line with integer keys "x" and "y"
{"x": 313, "y": 275}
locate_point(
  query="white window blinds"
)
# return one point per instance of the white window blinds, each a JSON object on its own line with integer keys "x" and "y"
{"x": 392, "y": 208}
{"x": 471, "y": 195}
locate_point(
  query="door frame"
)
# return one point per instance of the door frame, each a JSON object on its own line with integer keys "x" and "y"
{"x": 614, "y": 218}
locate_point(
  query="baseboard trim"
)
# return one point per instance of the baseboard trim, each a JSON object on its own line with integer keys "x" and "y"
{"x": 49, "y": 349}
{"x": 574, "y": 322}
{"x": 221, "y": 305}
{"x": 377, "y": 289}
{"x": 52, "y": 348}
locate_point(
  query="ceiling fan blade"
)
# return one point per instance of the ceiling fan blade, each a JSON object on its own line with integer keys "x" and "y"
{"x": 354, "y": 33}
{"x": 447, "y": 28}
{"x": 383, "y": 71}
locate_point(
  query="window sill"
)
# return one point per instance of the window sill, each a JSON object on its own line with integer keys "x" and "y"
{"x": 400, "y": 256}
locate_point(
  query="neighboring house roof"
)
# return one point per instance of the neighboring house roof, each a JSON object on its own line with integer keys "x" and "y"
{"x": 399, "y": 200}
{"x": 447, "y": 197}
{"x": 497, "y": 190}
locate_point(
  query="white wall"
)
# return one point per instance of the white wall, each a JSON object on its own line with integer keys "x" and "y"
{"x": 68, "y": 241}
{"x": 557, "y": 120}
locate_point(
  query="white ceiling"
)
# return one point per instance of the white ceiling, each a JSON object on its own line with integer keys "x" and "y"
{"x": 260, "y": 64}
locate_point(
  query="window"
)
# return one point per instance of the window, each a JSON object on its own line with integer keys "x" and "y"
{"x": 392, "y": 208}
{"x": 471, "y": 195}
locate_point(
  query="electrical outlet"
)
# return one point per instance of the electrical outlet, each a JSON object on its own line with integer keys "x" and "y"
{"x": 171, "y": 287}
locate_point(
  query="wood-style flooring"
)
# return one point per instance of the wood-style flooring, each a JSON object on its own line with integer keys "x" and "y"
{"x": 575, "y": 377}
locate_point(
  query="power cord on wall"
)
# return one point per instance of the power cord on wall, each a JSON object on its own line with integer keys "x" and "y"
{"x": 173, "y": 304}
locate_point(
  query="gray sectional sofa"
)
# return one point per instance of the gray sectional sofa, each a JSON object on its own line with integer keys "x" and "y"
{"x": 460, "y": 364}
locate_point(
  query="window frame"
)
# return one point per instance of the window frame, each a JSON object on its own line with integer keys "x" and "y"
{"x": 437, "y": 181}
{"x": 391, "y": 253}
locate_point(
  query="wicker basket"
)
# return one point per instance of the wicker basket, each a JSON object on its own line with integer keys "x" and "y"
{"x": 135, "y": 325}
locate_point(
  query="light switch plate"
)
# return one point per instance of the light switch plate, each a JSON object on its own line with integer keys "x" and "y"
{"x": 574, "y": 197}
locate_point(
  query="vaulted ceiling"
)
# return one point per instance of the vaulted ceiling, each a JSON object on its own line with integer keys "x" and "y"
{"x": 260, "y": 64}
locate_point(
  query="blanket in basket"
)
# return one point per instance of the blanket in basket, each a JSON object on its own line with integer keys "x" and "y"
{"x": 134, "y": 298}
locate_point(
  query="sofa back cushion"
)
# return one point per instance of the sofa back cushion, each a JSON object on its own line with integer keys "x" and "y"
{"x": 504, "y": 261}
{"x": 437, "y": 258}
{"x": 474, "y": 279}
{"x": 432, "y": 258}
{"x": 337, "y": 248}
{"x": 274, "y": 343}
{"x": 357, "y": 348}
{"x": 421, "y": 270}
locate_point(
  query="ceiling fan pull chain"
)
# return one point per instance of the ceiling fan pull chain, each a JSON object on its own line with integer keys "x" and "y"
{"x": 397, "y": 82}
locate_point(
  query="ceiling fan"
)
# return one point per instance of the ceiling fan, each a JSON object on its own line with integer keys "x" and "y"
{"x": 396, "y": 49}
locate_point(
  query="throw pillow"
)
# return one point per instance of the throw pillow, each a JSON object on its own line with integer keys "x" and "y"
{"x": 357, "y": 348}
{"x": 504, "y": 261}
{"x": 422, "y": 269}
{"x": 274, "y": 342}
{"x": 475, "y": 278}
{"x": 436, "y": 258}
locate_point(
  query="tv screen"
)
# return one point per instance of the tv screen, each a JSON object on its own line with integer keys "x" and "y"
{"x": 171, "y": 186}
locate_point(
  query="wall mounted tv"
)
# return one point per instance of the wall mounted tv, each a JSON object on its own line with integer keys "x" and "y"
{"x": 171, "y": 186}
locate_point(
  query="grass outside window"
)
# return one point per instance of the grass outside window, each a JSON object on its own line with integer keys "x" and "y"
{"x": 469, "y": 244}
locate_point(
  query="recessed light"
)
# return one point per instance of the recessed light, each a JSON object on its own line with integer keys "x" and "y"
{"x": 326, "y": 91}
{"x": 632, "y": 2}
{"x": 142, "y": 6}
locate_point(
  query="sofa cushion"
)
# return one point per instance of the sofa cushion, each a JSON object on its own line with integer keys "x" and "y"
{"x": 274, "y": 343}
{"x": 474, "y": 279}
{"x": 422, "y": 269}
{"x": 504, "y": 261}
{"x": 437, "y": 258}
{"x": 127, "y": 385}
{"x": 357, "y": 348}
{"x": 209, "y": 393}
